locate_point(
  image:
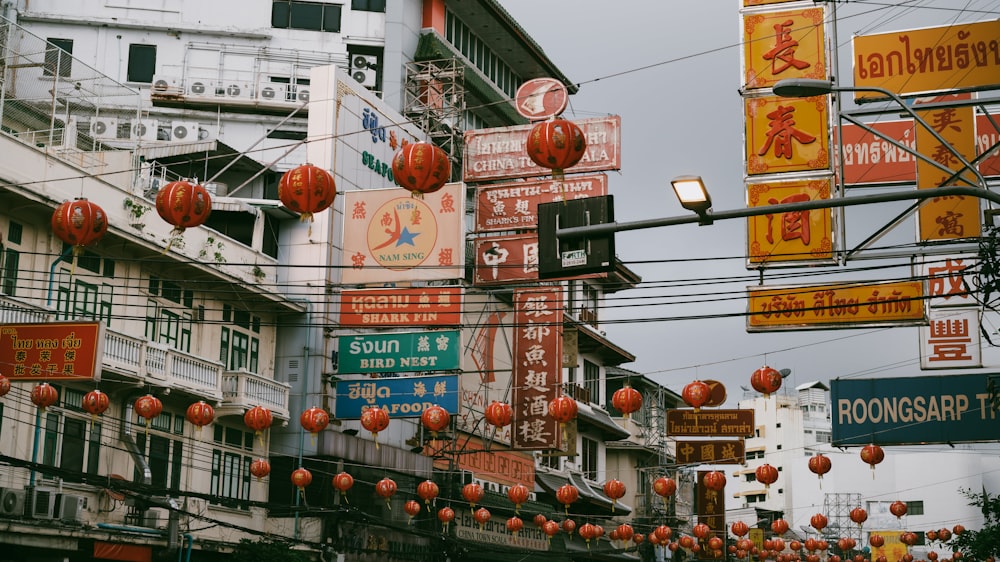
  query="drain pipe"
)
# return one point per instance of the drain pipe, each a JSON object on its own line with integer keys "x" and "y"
{"x": 187, "y": 551}
{"x": 129, "y": 529}
{"x": 130, "y": 444}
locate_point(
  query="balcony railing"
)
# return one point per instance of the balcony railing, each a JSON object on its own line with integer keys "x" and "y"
{"x": 242, "y": 390}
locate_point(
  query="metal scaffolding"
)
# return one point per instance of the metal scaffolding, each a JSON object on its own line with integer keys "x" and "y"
{"x": 434, "y": 100}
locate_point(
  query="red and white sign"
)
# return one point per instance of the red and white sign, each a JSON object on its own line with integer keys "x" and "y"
{"x": 380, "y": 308}
{"x": 52, "y": 351}
{"x": 499, "y": 153}
{"x": 951, "y": 339}
{"x": 538, "y": 315}
{"x": 541, "y": 98}
{"x": 511, "y": 206}
{"x": 506, "y": 259}
{"x": 951, "y": 281}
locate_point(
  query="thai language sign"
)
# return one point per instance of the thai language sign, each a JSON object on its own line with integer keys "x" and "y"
{"x": 830, "y": 306}
{"x": 402, "y": 397}
{"x": 494, "y": 532}
{"x": 438, "y": 350}
{"x": 704, "y": 423}
{"x": 423, "y": 306}
{"x": 505, "y": 467}
{"x": 52, "y": 351}
{"x": 499, "y": 153}
{"x": 538, "y": 316}
{"x": 914, "y": 410}
{"x": 512, "y": 206}
{"x": 931, "y": 59}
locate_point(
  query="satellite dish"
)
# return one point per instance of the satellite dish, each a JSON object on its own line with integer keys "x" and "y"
{"x": 785, "y": 373}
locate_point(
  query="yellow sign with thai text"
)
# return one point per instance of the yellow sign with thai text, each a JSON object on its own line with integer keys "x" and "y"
{"x": 790, "y": 237}
{"x": 928, "y": 60}
{"x": 899, "y": 303}
{"x": 956, "y": 217}
{"x": 785, "y": 44}
{"x": 787, "y": 135}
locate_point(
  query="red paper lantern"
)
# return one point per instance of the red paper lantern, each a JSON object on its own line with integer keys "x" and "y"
{"x": 701, "y": 530}
{"x": 258, "y": 419}
{"x": 260, "y": 468}
{"x": 569, "y": 526}
{"x": 183, "y": 205}
{"x": 944, "y": 535}
{"x": 4, "y": 385}
{"x": 515, "y": 524}
{"x": 627, "y": 400}
{"x": 664, "y": 487}
{"x": 301, "y": 478}
{"x": 556, "y": 144}
{"x": 686, "y": 541}
{"x": 909, "y": 538}
{"x": 375, "y": 420}
{"x": 859, "y": 515}
{"x": 795, "y": 545}
{"x": 818, "y": 521}
{"x": 412, "y": 508}
{"x": 473, "y": 493}
{"x": 482, "y": 516}
{"x": 95, "y": 402}
{"x": 715, "y": 543}
{"x": 766, "y": 380}
{"x": 428, "y": 490}
{"x": 588, "y": 531}
{"x": 44, "y": 395}
{"x": 779, "y": 526}
{"x": 435, "y": 419}
{"x": 148, "y": 407}
{"x": 343, "y": 482}
{"x": 696, "y": 393}
{"x": 499, "y": 414}
{"x": 200, "y": 414}
{"x": 307, "y": 190}
{"x": 550, "y": 528}
{"x": 625, "y": 532}
{"x": 79, "y": 223}
{"x": 876, "y": 540}
{"x": 567, "y": 494}
{"x": 386, "y": 488}
{"x": 872, "y": 455}
{"x": 898, "y": 509}
{"x": 819, "y": 464}
{"x": 812, "y": 544}
{"x": 563, "y": 409}
{"x": 715, "y": 480}
{"x": 518, "y": 494}
{"x": 663, "y": 533}
{"x": 932, "y": 556}
{"x": 539, "y": 520}
{"x": 638, "y": 538}
{"x": 615, "y": 490}
{"x": 446, "y": 515}
{"x": 958, "y": 529}
{"x": 421, "y": 167}
{"x": 766, "y": 474}
{"x": 739, "y": 528}
{"x": 314, "y": 419}
{"x": 931, "y": 535}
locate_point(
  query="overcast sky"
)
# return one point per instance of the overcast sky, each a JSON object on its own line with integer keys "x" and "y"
{"x": 671, "y": 69}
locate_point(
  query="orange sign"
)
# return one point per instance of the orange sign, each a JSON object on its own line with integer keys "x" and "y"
{"x": 927, "y": 60}
{"x": 778, "y": 45}
{"x": 505, "y": 467}
{"x": 52, "y": 351}
{"x": 947, "y": 218}
{"x": 796, "y": 236}
{"x": 377, "y": 308}
{"x": 836, "y": 306}
{"x": 787, "y": 135}
{"x": 512, "y": 206}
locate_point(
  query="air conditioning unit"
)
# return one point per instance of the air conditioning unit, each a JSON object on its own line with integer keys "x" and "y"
{"x": 154, "y": 518}
{"x": 104, "y": 128}
{"x": 167, "y": 85}
{"x": 215, "y": 188}
{"x": 183, "y": 131}
{"x": 43, "y": 504}
{"x": 70, "y": 508}
{"x": 273, "y": 91}
{"x": 199, "y": 87}
{"x": 207, "y": 132}
{"x": 144, "y": 130}
{"x": 301, "y": 93}
{"x": 238, "y": 90}
{"x": 11, "y": 502}
{"x": 363, "y": 69}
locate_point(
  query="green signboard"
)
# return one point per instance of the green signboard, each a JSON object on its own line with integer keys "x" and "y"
{"x": 438, "y": 350}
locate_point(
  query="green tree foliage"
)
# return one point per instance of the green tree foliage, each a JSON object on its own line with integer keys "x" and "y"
{"x": 984, "y": 543}
{"x": 266, "y": 550}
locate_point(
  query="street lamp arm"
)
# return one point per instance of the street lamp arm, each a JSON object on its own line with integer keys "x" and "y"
{"x": 918, "y": 194}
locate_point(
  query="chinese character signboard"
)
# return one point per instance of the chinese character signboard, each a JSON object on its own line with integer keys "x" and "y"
{"x": 438, "y": 350}
{"x": 538, "y": 315}
{"x": 711, "y": 507}
{"x": 379, "y": 308}
{"x": 494, "y": 533}
{"x": 926, "y": 60}
{"x": 951, "y": 281}
{"x": 710, "y": 423}
{"x": 391, "y": 236}
{"x": 512, "y": 206}
{"x": 898, "y": 303}
{"x": 947, "y": 218}
{"x": 787, "y": 135}
{"x": 793, "y": 236}
{"x": 721, "y": 451}
{"x": 892, "y": 547}
{"x": 785, "y": 44}
{"x": 913, "y": 410}
{"x": 52, "y": 351}
{"x": 406, "y": 397}
{"x": 950, "y": 340}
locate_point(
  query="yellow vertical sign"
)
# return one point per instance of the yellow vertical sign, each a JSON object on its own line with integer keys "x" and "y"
{"x": 794, "y": 236}
{"x": 787, "y": 135}
{"x": 783, "y": 44}
{"x": 757, "y": 537}
{"x": 947, "y": 218}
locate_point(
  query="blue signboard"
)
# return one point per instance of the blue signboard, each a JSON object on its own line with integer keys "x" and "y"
{"x": 404, "y": 397}
{"x": 438, "y": 350}
{"x": 915, "y": 410}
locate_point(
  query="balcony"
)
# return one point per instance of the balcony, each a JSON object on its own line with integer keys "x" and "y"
{"x": 242, "y": 390}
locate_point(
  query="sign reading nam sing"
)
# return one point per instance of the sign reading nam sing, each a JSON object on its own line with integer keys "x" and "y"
{"x": 53, "y": 351}
{"x": 914, "y": 410}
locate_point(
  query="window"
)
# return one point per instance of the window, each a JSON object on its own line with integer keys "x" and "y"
{"x": 141, "y": 63}
{"x": 754, "y": 498}
{"x": 750, "y": 476}
{"x": 230, "y": 482}
{"x": 77, "y": 298}
{"x": 11, "y": 259}
{"x": 592, "y": 380}
{"x": 169, "y": 318}
{"x": 368, "y": 5}
{"x": 480, "y": 54}
{"x": 164, "y": 454}
{"x": 313, "y": 16}
{"x": 915, "y": 508}
{"x": 823, "y": 436}
{"x": 588, "y": 458}
{"x": 70, "y": 441}
{"x": 550, "y": 461}
{"x": 58, "y": 57}
{"x": 239, "y": 346}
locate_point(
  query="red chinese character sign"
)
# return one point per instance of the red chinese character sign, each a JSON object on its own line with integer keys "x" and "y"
{"x": 951, "y": 339}
{"x": 538, "y": 314}
{"x": 787, "y": 44}
{"x": 390, "y": 236}
{"x": 787, "y": 135}
{"x": 52, "y": 351}
{"x": 794, "y": 236}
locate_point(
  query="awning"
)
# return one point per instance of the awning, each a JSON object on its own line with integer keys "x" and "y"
{"x": 601, "y": 421}
{"x": 591, "y": 502}
{"x": 590, "y": 341}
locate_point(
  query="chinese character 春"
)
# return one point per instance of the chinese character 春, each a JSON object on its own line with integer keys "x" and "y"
{"x": 782, "y": 131}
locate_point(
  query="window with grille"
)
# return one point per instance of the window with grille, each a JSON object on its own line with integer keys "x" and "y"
{"x": 58, "y": 57}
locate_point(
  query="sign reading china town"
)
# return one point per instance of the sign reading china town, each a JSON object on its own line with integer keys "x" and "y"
{"x": 511, "y": 206}
{"x": 499, "y": 153}
{"x": 391, "y": 236}
{"x": 376, "y": 308}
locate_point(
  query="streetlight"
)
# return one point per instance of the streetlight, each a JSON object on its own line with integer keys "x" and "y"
{"x": 694, "y": 196}
{"x": 807, "y": 87}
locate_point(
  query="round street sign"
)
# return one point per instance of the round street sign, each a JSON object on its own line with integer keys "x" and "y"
{"x": 718, "y": 393}
{"x": 541, "y": 98}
